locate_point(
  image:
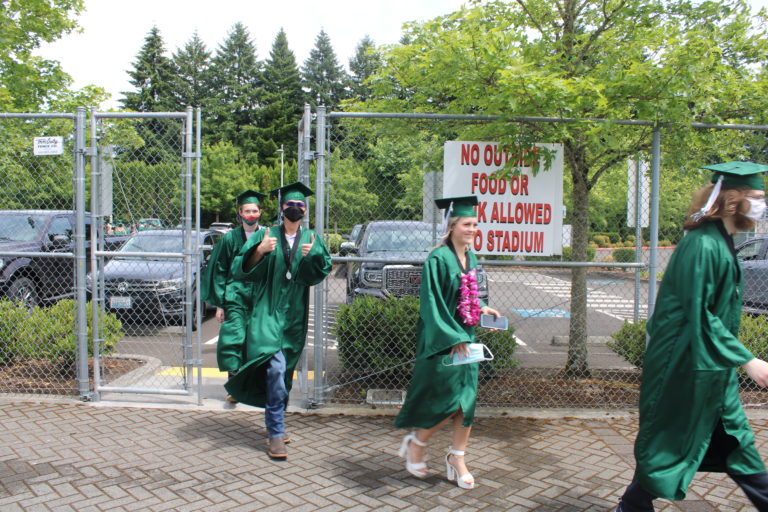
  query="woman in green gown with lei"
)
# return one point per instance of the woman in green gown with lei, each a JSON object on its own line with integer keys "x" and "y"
{"x": 449, "y": 310}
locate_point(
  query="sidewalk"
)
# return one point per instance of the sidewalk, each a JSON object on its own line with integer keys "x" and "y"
{"x": 64, "y": 455}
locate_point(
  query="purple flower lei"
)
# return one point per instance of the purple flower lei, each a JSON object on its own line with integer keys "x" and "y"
{"x": 469, "y": 304}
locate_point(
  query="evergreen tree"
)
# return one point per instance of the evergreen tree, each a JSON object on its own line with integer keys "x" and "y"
{"x": 324, "y": 78}
{"x": 365, "y": 63}
{"x": 283, "y": 100}
{"x": 236, "y": 91}
{"x": 190, "y": 83}
{"x": 152, "y": 75}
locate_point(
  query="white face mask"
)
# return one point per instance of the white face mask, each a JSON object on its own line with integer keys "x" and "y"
{"x": 756, "y": 209}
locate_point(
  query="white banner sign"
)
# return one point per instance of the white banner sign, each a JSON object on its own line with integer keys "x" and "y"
{"x": 48, "y": 146}
{"x": 518, "y": 215}
{"x": 632, "y": 196}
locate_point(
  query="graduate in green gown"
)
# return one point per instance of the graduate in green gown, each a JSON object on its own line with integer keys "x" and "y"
{"x": 438, "y": 393}
{"x": 282, "y": 262}
{"x": 219, "y": 288}
{"x": 691, "y": 418}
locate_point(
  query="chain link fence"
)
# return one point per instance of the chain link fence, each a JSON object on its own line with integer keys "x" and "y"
{"x": 577, "y": 327}
{"x": 99, "y": 298}
{"x": 142, "y": 173}
{"x": 38, "y": 227}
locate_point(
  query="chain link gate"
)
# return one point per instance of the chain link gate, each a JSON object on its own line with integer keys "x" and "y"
{"x": 146, "y": 310}
{"x": 380, "y": 177}
{"x": 41, "y": 235}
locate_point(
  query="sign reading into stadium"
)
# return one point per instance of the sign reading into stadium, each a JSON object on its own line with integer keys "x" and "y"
{"x": 518, "y": 214}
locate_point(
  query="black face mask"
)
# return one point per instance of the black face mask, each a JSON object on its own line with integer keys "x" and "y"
{"x": 293, "y": 213}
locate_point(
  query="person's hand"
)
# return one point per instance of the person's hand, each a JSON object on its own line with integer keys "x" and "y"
{"x": 487, "y": 310}
{"x": 460, "y": 348}
{"x": 305, "y": 248}
{"x": 220, "y": 315}
{"x": 757, "y": 369}
{"x": 267, "y": 244}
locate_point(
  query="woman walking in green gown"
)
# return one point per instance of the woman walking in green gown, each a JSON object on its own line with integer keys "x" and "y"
{"x": 440, "y": 394}
{"x": 691, "y": 417}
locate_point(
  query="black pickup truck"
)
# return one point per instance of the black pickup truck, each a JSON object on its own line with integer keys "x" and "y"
{"x": 37, "y": 278}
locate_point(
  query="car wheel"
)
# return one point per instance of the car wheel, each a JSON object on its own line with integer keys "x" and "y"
{"x": 24, "y": 290}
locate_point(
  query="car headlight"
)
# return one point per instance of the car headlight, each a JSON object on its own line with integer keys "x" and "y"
{"x": 170, "y": 285}
{"x": 372, "y": 277}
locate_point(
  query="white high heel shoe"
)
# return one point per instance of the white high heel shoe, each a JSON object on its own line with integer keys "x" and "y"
{"x": 417, "y": 469}
{"x": 466, "y": 481}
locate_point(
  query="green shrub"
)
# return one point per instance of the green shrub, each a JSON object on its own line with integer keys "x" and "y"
{"x": 753, "y": 333}
{"x": 13, "y": 320}
{"x": 380, "y": 334}
{"x": 334, "y": 243}
{"x": 503, "y": 345}
{"x": 624, "y": 255}
{"x": 48, "y": 332}
{"x": 568, "y": 253}
{"x": 375, "y": 334}
{"x": 601, "y": 240}
{"x": 629, "y": 342}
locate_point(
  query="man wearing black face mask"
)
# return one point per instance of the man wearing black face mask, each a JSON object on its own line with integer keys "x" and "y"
{"x": 231, "y": 297}
{"x": 282, "y": 262}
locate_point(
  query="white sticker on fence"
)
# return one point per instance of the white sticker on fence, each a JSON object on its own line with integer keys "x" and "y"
{"x": 48, "y": 146}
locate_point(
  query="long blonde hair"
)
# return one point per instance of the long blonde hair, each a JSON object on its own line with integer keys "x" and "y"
{"x": 447, "y": 235}
{"x": 730, "y": 202}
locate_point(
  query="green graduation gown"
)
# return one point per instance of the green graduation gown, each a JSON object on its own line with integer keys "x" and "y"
{"x": 689, "y": 381}
{"x": 278, "y": 317}
{"x": 436, "y": 391}
{"x": 219, "y": 288}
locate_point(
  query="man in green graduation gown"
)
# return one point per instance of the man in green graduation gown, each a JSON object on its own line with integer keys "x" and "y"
{"x": 282, "y": 262}
{"x": 691, "y": 418}
{"x": 232, "y": 297}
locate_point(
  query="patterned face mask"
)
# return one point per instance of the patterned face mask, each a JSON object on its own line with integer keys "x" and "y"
{"x": 251, "y": 219}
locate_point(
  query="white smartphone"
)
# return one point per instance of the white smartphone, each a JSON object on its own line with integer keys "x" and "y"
{"x": 492, "y": 322}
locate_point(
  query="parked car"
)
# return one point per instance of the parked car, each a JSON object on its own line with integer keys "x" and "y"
{"x": 350, "y": 241}
{"x": 753, "y": 255}
{"x": 151, "y": 289}
{"x": 409, "y": 241}
{"x": 224, "y": 227}
{"x": 35, "y": 279}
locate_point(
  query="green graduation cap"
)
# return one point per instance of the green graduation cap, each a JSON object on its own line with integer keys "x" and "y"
{"x": 738, "y": 174}
{"x": 250, "y": 197}
{"x": 463, "y": 206}
{"x": 292, "y": 192}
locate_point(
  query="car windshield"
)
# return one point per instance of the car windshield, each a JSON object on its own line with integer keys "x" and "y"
{"x": 20, "y": 228}
{"x": 399, "y": 240}
{"x": 154, "y": 243}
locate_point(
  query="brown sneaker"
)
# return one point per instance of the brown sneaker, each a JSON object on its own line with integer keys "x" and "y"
{"x": 276, "y": 448}
{"x": 231, "y": 400}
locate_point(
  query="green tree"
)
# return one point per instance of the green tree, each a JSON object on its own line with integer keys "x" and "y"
{"x": 351, "y": 201}
{"x": 29, "y": 83}
{"x": 190, "y": 84}
{"x": 362, "y": 66}
{"x": 324, "y": 78}
{"x": 663, "y": 61}
{"x": 236, "y": 93}
{"x": 283, "y": 102}
{"x": 152, "y": 76}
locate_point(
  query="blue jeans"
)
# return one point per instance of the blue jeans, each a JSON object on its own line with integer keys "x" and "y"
{"x": 277, "y": 396}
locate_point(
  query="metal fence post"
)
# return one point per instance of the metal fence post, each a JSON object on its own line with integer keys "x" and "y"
{"x": 319, "y": 334}
{"x": 189, "y": 303}
{"x": 655, "y": 177}
{"x": 80, "y": 257}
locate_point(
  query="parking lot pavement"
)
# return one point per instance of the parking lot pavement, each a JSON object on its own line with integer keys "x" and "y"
{"x": 65, "y": 455}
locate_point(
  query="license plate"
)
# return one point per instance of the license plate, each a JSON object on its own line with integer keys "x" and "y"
{"x": 120, "y": 302}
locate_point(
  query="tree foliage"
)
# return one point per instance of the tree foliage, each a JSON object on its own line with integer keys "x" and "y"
{"x": 324, "y": 78}
{"x": 668, "y": 62}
